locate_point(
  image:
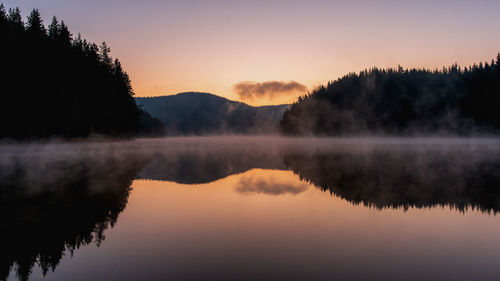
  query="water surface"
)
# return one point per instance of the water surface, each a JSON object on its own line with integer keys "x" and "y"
{"x": 239, "y": 208}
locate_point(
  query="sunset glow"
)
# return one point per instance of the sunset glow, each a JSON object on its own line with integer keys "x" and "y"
{"x": 176, "y": 46}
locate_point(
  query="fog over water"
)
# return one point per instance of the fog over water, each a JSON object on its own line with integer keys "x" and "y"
{"x": 396, "y": 163}
{"x": 250, "y": 208}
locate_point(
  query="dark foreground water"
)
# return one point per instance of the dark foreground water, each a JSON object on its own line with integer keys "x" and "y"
{"x": 237, "y": 208}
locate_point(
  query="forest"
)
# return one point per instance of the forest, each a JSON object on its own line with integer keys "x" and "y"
{"x": 454, "y": 100}
{"x": 55, "y": 84}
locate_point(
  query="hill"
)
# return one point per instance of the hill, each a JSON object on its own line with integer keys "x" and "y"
{"x": 195, "y": 113}
{"x": 402, "y": 102}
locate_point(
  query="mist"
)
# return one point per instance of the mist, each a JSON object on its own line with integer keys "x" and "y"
{"x": 65, "y": 195}
{"x": 378, "y": 172}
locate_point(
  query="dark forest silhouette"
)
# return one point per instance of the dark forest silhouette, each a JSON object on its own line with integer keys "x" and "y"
{"x": 401, "y": 101}
{"x": 57, "y": 85}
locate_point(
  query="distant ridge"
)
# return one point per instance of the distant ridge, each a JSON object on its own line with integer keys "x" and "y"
{"x": 196, "y": 113}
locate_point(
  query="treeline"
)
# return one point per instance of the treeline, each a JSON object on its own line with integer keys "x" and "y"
{"x": 56, "y": 85}
{"x": 453, "y": 100}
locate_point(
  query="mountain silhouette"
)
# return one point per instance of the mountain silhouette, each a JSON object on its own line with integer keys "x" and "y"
{"x": 194, "y": 113}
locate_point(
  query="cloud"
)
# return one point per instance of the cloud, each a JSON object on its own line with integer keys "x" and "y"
{"x": 268, "y": 89}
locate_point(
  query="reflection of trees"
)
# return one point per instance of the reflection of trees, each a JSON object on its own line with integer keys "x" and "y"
{"x": 51, "y": 206}
{"x": 403, "y": 178}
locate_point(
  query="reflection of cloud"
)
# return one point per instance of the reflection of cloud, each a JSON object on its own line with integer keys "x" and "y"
{"x": 269, "y": 186}
{"x": 269, "y": 89}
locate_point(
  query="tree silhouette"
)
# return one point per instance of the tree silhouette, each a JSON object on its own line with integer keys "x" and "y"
{"x": 3, "y": 14}
{"x": 63, "y": 34}
{"x": 15, "y": 19}
{"x": 53, "y": 28}
{"x": 104, "y": 51}
{"x": 401, "y": 102}
{"x": 35, "y": 24}
{"x": 56, "y": 86}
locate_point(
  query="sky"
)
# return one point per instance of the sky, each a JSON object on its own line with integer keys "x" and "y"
{"x": 270, "y": 52}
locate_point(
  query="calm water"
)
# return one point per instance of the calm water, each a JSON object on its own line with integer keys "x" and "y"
{"x": 237, "y": 208}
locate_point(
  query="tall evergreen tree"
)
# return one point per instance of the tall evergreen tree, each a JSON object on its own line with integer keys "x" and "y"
{"x": 35, "y": 24}
{"x": 3, "y": 14}
{"x": 122, "y": 75}
{"x": 15, "y": 19}
{"x": 53, "y": 29}
{"x": 3, "y": 18}
{"x": 104, "y": 55}
{"x": 63, "y": 34}
{"x": 78, "y": 43}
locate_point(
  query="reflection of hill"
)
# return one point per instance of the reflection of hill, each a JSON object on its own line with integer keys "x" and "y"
{"x": 403, "y": 178}
{"x": 192, "y": 166}
{"x": 49, "y": 206}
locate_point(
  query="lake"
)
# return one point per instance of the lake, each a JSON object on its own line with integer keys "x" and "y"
{"x": 251, "y": 208}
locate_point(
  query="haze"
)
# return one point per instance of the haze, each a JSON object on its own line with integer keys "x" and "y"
{"x": 174, "y": 46}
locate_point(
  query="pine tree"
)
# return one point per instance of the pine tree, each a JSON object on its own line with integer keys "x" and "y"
{"x": 15, "y": 19}
{"x": 63, "y": 35}
{"x": 3, "y": 14}
{"x": 104, "y": 55}
{"x": 35, "y": 24}
{"x": 78, "y": 43}
{"x": 53, "y": 28}
{"x": 120, "y": 73}
{"x": 92, "y": 50}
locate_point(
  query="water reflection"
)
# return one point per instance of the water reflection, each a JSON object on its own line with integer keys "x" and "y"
{"x": 55, "y": 203}
{"x": 388, "y": 173}
{"x": 196, "y": 165}
{"x": 390, "y": 176}
{"x": 271, "y": 185}
{"x": 56, "y": 198}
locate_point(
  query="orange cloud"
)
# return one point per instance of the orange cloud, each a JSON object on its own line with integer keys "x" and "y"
{"x": 269, "y": 89}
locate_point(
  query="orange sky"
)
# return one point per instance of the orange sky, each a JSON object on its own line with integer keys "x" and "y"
{"x": 191, "y": 45}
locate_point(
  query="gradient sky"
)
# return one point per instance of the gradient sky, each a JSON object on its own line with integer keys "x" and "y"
{"x": 174, "y": 46}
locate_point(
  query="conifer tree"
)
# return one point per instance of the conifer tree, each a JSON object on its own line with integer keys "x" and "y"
{"x": 35, "y": 24}
{"x": 104, "y": 52}
{"x": 15, "y": 19}
{"x": 122, "y": 75}
{"x": 53, "y": 29}
{"x": 63, "y": 34}
{"x": 3, "y": 14}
